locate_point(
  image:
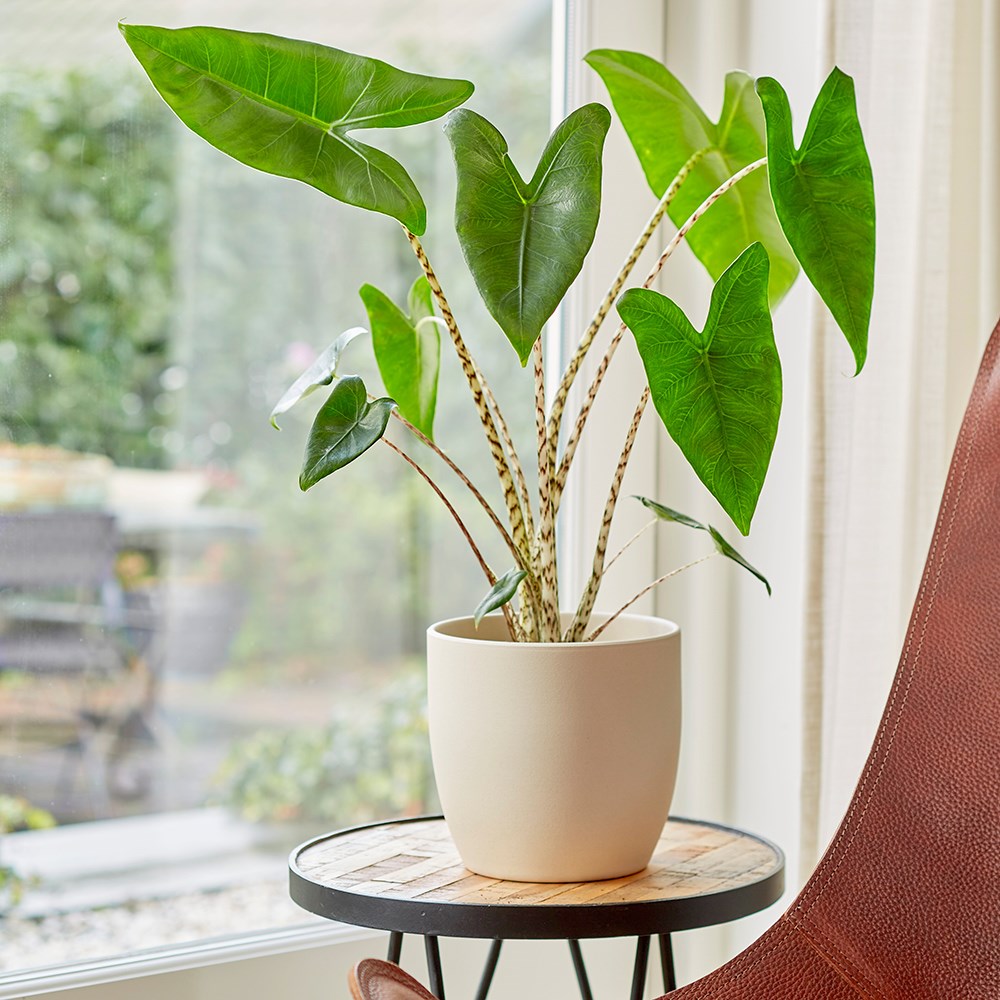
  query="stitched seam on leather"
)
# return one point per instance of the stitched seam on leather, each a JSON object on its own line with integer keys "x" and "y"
{"x": 838, "y": 963}
{"x": 803, "y": 906}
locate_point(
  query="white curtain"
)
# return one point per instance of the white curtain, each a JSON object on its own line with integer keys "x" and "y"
{"x": 928, "y": 79}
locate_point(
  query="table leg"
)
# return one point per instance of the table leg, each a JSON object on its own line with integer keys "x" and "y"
{"x": 434, "y": 966}
{"x": 667, "y": 963}
{"x": 488, "y": 970}
{"x": 581, "y": 969}
{"x": 641, "y": 964}
{"x": 395, "y": 946}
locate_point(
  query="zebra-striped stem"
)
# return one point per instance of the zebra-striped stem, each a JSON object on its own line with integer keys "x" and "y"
{"x": 586, "y": 606}
{"x": 566, "y": 383}
{"x": 642, "y": 593}
{"x": 517, "y": 526}
{"x": 512, "y": 625}
{"x": 602, "y": 368}
{"x": 546, "y": 513}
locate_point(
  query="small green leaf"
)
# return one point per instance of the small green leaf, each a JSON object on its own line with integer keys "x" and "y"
{"x": 346, "y": 426}
{"x": 730, "y": 553}
{"x": 321, "y": 372}
{"x": 525, "y": 242}
{"x": 500, "y": 593}
{"x": 408, "y": 351}
{"x": 721, "y": 545}
{"x": 667, "y": 126}
{"x": 825, "y": 200}
{"x": 717, "y": 391}
{"x": 288, "y": 107}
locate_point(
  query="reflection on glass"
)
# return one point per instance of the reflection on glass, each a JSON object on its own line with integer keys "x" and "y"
{"x": 199, "y": 665}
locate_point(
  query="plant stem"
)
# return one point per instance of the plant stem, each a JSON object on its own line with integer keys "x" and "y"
{"x": 602, "y": 368}
{"x": 642, "y": 593}
{"x": 490, "y": 575}
{"x": 510, "y": 496}
{"x": 546, "y": 512}
{"x": 575, "y": 633}
{"x": 566, "y": 383}
{"x": 634, "y": 538}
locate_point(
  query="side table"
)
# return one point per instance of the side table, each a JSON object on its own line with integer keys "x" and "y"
{"x": 406, "y": 877}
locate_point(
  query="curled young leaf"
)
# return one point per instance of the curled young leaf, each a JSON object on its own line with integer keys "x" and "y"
{"x": 407, "y": 350}
{"x": 321, "y": 372}
{"x": 500, "y": 593}
{"x": 346, "y": 426}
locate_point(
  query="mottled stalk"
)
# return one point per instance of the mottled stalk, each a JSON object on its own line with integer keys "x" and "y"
{"x": 642, "y": 593}
{"x": 566, "y": 383}
{"x": 512, "y": 625}
{"x": 546, "y": 513}
{"x": 581, "y": 420}
{"x": 586, "y": 606}
{"x": 634, "y": 538}
{"x": 517, "y": 525}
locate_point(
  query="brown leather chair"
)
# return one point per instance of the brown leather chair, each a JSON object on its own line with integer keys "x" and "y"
{"x": 905, "y": 904}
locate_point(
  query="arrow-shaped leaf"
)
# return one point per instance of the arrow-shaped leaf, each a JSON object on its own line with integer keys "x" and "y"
{"x": 721, "y": 545}
{"x": 408, "y": 350}
{"x": 321, "y": 372}
{"x": 825, "y": 200}
{"x": 346, "y": 426}
{"x": 288, "y": 107}
{"x": 717, "y": 391}
{"x": 525, "y": 242}
{"x": 500, "y": 593}
{"x": 667, "y": 126}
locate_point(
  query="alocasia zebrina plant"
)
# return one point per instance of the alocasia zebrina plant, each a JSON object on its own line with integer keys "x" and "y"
{"x": 753, "y": 207}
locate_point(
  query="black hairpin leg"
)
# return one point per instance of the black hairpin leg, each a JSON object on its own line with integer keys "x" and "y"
{"x": 395, "y": 946}
{"x": 581, "y": 969}
{"x": 434, "y": 966}
{"x": 667, "y": 963}
{"x": 639, "y": 970}
{"x": 491, "y": 966}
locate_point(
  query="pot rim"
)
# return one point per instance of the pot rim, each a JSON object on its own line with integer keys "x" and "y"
{"x": 661, "y": 628}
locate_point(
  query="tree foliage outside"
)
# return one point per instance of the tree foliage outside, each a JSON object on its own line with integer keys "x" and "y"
{"x": 86, "y": 276}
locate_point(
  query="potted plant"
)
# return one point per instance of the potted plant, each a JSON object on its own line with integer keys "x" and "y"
{"x": 554, "y": 731}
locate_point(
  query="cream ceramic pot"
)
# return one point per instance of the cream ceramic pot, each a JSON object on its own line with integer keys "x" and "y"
{"x": 555, "y": 762}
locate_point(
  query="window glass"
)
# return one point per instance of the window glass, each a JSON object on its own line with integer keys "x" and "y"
{"x": 201, "y": 666}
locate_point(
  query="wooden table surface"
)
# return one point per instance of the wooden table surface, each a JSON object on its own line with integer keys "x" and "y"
{"x": 407, "y": 876}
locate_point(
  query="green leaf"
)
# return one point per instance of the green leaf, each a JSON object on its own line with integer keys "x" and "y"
{"x": 408, "y": 351}
{"x": 717, "y": 391}
{"x": 825, "y": 200}
{"x": 525, "y": 242}
{"x": 346, "y": 426}
{"x": 721, "y": 545}
{"x": 501, "y": 592}
{"x": 321, "y": 372}
{"x": 288, "y": 107}
{"x": 666, "y": 127}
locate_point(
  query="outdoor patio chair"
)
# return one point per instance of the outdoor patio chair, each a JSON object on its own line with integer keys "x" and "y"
{"x": 905, "y": 904}
{"x": 64, "y": 618}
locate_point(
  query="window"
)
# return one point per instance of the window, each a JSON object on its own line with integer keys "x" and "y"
{"x": 200, "y": 666}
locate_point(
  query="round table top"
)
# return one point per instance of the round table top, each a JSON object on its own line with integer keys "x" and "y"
{"x": 406, "y": 876}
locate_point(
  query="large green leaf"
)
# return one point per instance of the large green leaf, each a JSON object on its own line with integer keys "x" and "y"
{"x": 717, "y": 391}
{"x": 666, "y": 127}
{"x": 721, "y": 545}
{"x": 525, "y": 241}
{"x": 288, "y": 107}
{"x": 346, "y": 426}
{"x": 408, "y": 350}
{"x": 825, "y": 200}
{"x": 321, "y": 372}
